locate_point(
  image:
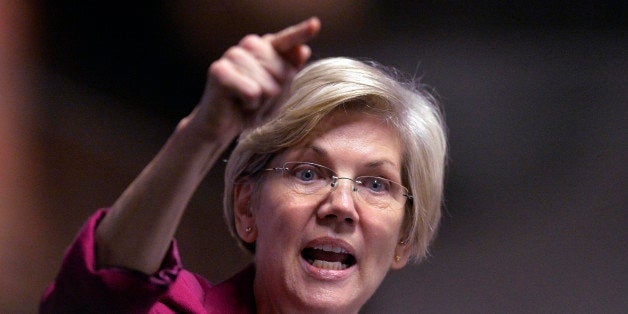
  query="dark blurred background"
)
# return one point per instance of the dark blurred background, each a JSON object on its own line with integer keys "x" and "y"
{"x": 535, "y": 99}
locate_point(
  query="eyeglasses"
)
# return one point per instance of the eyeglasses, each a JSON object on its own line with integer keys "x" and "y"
{"x": 310, "y": 179}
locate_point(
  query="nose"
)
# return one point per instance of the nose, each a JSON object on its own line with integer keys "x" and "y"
{"x": 335, "y": 182}
{"x": 340, "y": 203}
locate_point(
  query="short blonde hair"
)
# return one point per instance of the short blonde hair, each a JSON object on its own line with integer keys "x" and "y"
{"x": 329, "y": 84}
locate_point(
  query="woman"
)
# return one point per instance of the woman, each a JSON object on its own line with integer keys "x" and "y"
{"x": 343, "y": 183}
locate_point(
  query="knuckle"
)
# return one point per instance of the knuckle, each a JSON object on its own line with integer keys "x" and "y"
{"x": 253, "y": 93}
{"x": 250, "y": 41}
{"x": 217, "y": 68}
{"x": 234, "y": 53}
{"x": 273, "y": 90}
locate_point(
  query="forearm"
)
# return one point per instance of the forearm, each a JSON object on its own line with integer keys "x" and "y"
{"x": 142, "y": 222}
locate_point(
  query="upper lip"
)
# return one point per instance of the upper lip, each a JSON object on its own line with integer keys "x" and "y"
{"x": 329, "y": 242}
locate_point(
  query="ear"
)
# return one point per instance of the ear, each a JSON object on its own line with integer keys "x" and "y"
{"x": 242, "y": 209}
{"x": 401, "y": 257}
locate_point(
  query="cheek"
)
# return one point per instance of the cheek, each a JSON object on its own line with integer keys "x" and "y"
{"x": 382, "y": 232}
{"x": 278, "y": 215}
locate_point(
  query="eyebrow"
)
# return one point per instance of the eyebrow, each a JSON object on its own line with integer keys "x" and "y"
{"x": 318, "y": 150}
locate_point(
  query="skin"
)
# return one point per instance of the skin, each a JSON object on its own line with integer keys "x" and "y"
{"x": 352, "y": 144}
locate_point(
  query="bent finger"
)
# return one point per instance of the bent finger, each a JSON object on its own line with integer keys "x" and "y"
{"x": 248, "y": 65}
{"x": 268, "y": 57}
{"x": 298, "y": 56}
{"x": 230, "y": 81}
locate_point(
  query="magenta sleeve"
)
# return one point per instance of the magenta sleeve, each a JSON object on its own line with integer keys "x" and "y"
{"x": 80, "y": 287}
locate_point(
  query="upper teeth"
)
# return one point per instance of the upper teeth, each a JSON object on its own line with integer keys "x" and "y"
{"x": 330, "y": 248}
{"x": 329, "y": 265}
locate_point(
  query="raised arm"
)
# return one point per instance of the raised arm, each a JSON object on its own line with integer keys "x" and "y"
{"x": 240, "y": 90}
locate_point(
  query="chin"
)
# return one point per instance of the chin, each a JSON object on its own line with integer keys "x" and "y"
{"x": 329, "y": 289}
{"x": 328, "y": 302}
{"x": 310, "y": 289}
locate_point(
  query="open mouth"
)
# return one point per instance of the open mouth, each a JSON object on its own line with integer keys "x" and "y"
{"x": 328, "y": 257}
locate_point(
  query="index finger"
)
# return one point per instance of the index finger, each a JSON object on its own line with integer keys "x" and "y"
{"x": 287, "y": 39}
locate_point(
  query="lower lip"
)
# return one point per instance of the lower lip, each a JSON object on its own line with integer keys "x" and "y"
{"x": 325, "y": 274}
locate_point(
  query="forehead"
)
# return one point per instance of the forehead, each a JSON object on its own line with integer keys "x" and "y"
{"x": 352, "y": 135}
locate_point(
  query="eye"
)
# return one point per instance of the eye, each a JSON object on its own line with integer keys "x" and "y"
{"x": 375, "y": 184}
{"x": 307, "y": 172}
